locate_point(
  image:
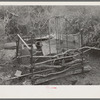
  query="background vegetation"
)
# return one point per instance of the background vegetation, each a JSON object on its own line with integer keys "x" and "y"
{"x": 30, "y": 18}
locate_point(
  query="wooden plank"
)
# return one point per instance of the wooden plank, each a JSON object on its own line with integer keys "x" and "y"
{"x": 23, "y": 41}
{"x": 48, "y": 66}
{"x": 17, "y": 47}
{"x": 36, "y": 56}
{"x": 10, "y": 45}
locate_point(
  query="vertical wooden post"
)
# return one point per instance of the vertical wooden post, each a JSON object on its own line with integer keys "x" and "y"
{"x": 49, "y": 38}
{"x": 39, "y": 29}
{"x": 56, "y": 26}
{"x": 67, "y": 41}
{"x": 17, "y": 49}
{"x": 39, "y": 34}
{"x": 58, "y": 33}
{"x": 31, "y": 59}
{"x": 82, "y": 46}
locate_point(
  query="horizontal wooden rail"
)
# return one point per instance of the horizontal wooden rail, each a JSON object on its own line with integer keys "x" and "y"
{"x": 85, "y": 47}
{"x": 60, "y": 58}
{"x": 36, "y": 56}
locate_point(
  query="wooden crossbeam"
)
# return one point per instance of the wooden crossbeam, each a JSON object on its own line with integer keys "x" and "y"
{"x": 85, "y": 47}
{"x": 51, "y": 76}
{"x": 53, "y": 60}
{"x": 48, "y": 66}
{"x": 36, "y": 56}
{"x": 28, "y": 74}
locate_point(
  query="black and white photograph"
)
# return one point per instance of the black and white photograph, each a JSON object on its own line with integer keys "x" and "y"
{"x": 49, "y": 45}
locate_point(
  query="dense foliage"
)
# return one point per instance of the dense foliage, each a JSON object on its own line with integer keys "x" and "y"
{"x": 31, "y": 18}
{"x": 91, "y": 29}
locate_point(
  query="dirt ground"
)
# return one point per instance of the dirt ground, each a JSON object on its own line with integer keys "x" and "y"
{"x": 89, "y": 78}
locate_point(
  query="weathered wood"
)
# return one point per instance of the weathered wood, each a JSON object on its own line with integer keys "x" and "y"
{"x": 56, "y": 66}
{"x": 45, "y": 78}
{"x": 81, "y": 47}
{"x": 36, "y": 56}
{"x": 39, "y": 73}
{"x": 28, "y": 74}
{"x": 94, "y": 48}
{"x": 69, "y": 65}
{"x": 52, "y": 56}
{"x": 31, "y": 52}
{"x": 53, "y": 60}
{"x": 17, "y": 47}
{"x": 17, "y": 77}
{"x": 64, "y": 73}
{"x": 17, "y": 50}
{"x": 48, "y": 66}
{"x": 74, "y": 62}
{"x": 23, "y": 41}
{"x": 85, "y": 47}
{"x": 10, "y": 45}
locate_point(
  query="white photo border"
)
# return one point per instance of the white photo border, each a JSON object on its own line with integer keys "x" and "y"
{"x": 47, "y": 91}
